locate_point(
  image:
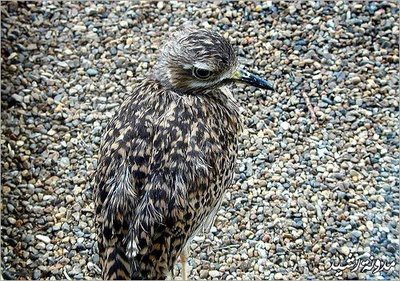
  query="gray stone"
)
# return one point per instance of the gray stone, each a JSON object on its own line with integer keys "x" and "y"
{"x": 92, "y": 72}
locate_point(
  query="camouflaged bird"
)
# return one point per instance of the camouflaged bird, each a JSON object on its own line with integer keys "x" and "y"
{"x": 168, "y": 156}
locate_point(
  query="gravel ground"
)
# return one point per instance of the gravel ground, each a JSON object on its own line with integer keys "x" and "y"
{"x": 308, "y": 192}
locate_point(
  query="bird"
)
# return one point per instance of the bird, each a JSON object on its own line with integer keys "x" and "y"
{"x": 168, "y": 155}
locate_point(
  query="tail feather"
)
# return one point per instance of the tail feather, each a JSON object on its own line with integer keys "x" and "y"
{"x": 116, "y": 265}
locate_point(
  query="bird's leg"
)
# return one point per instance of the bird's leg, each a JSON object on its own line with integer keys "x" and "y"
{"x": 184, "y": 258}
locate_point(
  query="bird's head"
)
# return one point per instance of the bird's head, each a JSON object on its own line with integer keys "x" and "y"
{"x": 197, "y": 59}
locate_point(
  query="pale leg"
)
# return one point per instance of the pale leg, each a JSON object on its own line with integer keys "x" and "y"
{"x": 184, "y": 258}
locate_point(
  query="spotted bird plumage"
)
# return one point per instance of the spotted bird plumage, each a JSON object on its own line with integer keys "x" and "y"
{"x": 168, "y": 156}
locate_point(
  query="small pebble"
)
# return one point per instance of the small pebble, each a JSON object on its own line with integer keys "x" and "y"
{"x": 370, "y": 225}
{"x": 285, "y": 126}
{"x": 91, "y": 72}
{"x": 43, "y": 238}
{"x": 214, "y": 273}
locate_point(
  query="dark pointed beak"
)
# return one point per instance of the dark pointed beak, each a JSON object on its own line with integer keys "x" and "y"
{"x": 252, "y": 79}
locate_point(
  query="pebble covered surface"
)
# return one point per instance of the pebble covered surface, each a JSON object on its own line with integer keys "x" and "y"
{"x": 308, "y": 193}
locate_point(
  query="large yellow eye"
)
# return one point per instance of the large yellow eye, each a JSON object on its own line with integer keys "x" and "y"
{"x": 201, "y": 73}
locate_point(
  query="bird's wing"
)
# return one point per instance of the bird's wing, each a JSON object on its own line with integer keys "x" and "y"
{"x": 140, "y": 176}
{"x": 176, "y": 165}
{"x": 120, "y": 176}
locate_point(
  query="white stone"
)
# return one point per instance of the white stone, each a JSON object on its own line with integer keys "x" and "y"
{"x": 214, "y": 273}
{"x": 345, "y": 250}
{"x": 43, "y": 238}
{"x": 69, "y": 198}
{"x": 370, "y": 225}
{"x": 285, "y": 126}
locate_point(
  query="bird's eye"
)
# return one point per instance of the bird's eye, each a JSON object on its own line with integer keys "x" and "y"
{"x": 201, "y": 73}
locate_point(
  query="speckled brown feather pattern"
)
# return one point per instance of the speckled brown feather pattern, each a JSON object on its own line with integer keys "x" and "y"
{"x": 165, "y": 162}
